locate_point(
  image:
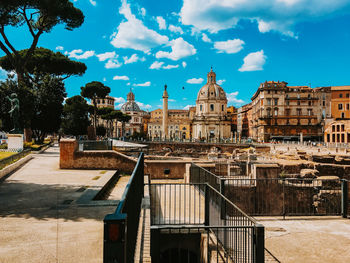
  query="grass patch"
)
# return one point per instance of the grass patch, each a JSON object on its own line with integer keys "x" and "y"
{"x": 96, "y": 178}
{"x": 103, "y": 172}
{"x": 4, "y": 155}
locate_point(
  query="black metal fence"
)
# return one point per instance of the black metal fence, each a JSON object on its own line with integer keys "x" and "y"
{"x": 95, "y": 145}
{"x": 230, "y": 235}
{"x": 279, "y": 196}
{"x": 120, "y": 228}
{"x": 8, "y": 160}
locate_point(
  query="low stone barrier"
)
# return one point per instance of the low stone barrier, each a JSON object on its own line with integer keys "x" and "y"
{"x": 12, "y": 167}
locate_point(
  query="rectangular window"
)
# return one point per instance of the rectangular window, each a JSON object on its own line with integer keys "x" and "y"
{"x": 340, "y": 95}
{"x": 333, "y": 128}
{"x": 340, "y": 106}
{"x": 268, "y": 101}
{"x": 201, "y": 107}
{"x": 222, "y": 107}
{"x": 211, "y": 107}
{"x": 342, "y": 127}
{"x": 328, "y": 137}
{"x": 347, "y": 106}
{"x": 276, "y": 101}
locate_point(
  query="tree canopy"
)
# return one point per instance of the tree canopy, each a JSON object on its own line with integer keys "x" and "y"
{"x": 45, "y": 61}
{"x": 75, "y": 116}
{"x": 39, "y": 16}
{"x": 93, "y": 91}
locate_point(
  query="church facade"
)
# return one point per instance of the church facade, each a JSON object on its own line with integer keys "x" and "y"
{"x": 208, "y": 120}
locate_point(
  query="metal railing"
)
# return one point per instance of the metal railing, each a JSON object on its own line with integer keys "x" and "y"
{"x": 231, "y": 235}
{"x": 8, "y": 160}
{"x": 279, "y": 196}
{"x": 120, "y": 228}
{"x": 95, "y": 145}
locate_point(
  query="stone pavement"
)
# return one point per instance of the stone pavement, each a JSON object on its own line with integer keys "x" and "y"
{"x": 308, "y": 239}
{"x": 40, "y": 218}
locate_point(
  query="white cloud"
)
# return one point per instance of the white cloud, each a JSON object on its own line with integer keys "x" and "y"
{"x": 104, "y": 79}
{"x": 254, "y": 61}
{"x": 170, "y": 66}
{"x": 279, "y": 15}
{"x": 229, "y": 46}
{"x": 144, "y": 106}
{"x": 106, "y": 55}
{"x": 187, "y": 107}
{"x": 175, "y": 29}
{"x": 59, "y": 48}
{"x": 119, "y": 100}
{"x": 120, "y": 78}
{"x": 232, "y": 98}
{"x": 83, "y": 55}
{"x": 113, "y": 63}
{"x": 156, "y": 65}
{"x": 179, "y": 49}
{"x": 221, "y": 81}
{"x": 161, "y": 22}
{"x": 195, "y": 81}
{"x": 184, "y": 64}
{"x": 205, "y": 38}
{"x": 146, "y": 84}
{"x": 133, "y": 58}
{"x": 143, "y": 11}
{"x": 134, "y": 34}
{"x": 93, "y": 2}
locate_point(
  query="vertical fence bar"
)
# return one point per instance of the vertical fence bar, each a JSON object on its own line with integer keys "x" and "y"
{"x": 260, "y": 244}
{"x": 206, "y": 209}
{"x": 344, "y": 198}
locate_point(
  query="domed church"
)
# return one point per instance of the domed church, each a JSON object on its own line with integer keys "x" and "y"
{"x": 210, "y": 121}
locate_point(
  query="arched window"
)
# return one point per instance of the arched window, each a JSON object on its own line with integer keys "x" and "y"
{"x": 211, "y": 107}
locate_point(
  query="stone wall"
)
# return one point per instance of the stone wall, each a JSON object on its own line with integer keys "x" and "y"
{"x": 71, "y": 158}
{"x": 156, "y": 168}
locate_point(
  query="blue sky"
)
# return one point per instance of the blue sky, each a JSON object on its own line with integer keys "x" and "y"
{"x": 144, "y": 44}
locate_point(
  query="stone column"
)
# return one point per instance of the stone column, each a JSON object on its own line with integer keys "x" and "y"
{"x": 165, "y": 113}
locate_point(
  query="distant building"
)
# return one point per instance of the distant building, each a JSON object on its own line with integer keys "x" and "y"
{"x": 106, "y": 102}
{"x": 211, "y": 120}
{"x": 284, "y": 112}
{"x": 337, "y": 129}
{"x": 135, "y": 124}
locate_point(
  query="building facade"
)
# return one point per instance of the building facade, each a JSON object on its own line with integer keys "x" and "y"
{"x": 211, "y": 120}
{"x": 281, "y": 112}
{"x": 337, "y": 128}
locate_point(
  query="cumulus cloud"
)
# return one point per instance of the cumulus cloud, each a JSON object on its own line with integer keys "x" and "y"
{"x": 146, "y": 84}
{"x": 113, "y": 63}
{"x": 170, "y": 66}
{"x": 104, "y": 79}
{"x": 143, "y": 11}
{"x": 232, "y": 98}
{"x": 93, "y": 2}
{"x": 279, "y": 15}
{"x": 184, "y": 64}
{"x": 59, "y": 48}
{"x": 144, "y": 106}
{"x": 176, "y": 29}
{"x": 187, "y": 107}
{"x": 229, "y": 46}
{"x": 119, "y": 100}
{"x": 205, "y": 38}
{"x": 195, "y": 81}
{"x": 159, "y": 65}
{"x": 156, "y": 65}
{"x": 254, "y": 61}
{"x": 179, "y": 49}
{"x": 161, "y": 22}
{"x": 120, "y": 78}
{"x": 133, "y": 58}
{"x": 134, "y": 34}
{"x": 221, "y": 81}
{"x": 80, "y": 54}
{"x": 106, "y": 55}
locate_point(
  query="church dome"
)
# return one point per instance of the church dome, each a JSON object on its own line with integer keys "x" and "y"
{"x": 211, "y": 90}
{"x": 130, "y": 104}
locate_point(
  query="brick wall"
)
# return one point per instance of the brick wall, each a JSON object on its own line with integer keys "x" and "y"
{"x": 71, "y": 158}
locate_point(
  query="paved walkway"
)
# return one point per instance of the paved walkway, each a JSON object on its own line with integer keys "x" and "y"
{"x": 308, "y": 239}
{"x": 40, "y": 218}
